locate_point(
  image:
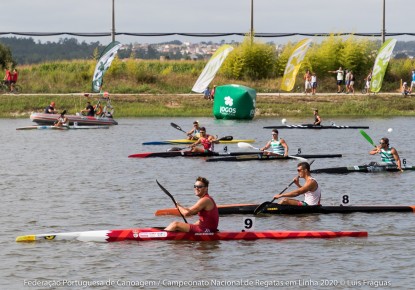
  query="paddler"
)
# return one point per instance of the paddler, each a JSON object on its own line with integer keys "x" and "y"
{"x": 317, "y": 118}
{"x": 310, "y": 189}
{"x": 62, "y": 120}
{"x": 205, "y": 207}
{"x": 278, "y": 146}
{"x": 194, "y": 134}
{"x": 206, "y": 140}
{"x": 388, "y": 154}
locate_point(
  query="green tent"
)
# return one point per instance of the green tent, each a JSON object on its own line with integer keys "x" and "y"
{"x": 234, "y": 102}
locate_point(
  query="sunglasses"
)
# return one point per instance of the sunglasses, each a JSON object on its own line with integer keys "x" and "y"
{"x": 202, "y": 132}
{"x": 198, "y": 186}
{"x": 382, "y": 143}
{"x": 298, "y": 170}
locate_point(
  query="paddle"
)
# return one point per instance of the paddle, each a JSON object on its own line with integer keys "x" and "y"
{"x": 260, "y": 208}
{"x": 172, "y": 198}
{"x": 247, "y": 145}
{"x": 367, "y": 137}
{"x": 177, "y": 127}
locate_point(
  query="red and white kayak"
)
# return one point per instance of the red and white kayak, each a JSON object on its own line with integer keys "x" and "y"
{"x": 155, "y": 234}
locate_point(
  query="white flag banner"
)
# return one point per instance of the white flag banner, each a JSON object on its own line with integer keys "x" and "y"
{"x": 211, "y": 68}
{"x": 104, "y": 62}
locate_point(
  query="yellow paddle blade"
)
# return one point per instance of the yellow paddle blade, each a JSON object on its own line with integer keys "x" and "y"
{"x": 28, "y": 238}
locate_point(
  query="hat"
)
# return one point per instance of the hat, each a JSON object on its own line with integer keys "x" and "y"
{"x": 404, "y": 83}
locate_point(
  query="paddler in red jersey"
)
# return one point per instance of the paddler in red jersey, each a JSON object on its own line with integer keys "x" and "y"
{"x": 205, "y": 207}
{"x": 206, "y": 140}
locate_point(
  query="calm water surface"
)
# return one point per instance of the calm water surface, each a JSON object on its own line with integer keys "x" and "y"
{"x": 81, "y": 180}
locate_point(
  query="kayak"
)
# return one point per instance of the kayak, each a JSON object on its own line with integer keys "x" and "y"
{"x": 43, "y": 128}
{"x": 149, "y": 234}
{"x": 311, "y": 126}
{"x": 275, "y": 208}
{"x": 261, "y": 157}
{"x": 50, "y": 119}
{"x": 185, "y": 141}
{"x": 362, "y": 168}
{"x": 231, "y": 155}
{"x": 184, "y": 154}
{"x": 48, "y": 127}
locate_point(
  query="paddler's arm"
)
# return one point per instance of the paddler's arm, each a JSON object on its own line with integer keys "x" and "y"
{"x": 310, "y": 185}
{"x": 285, "y": 145}
{"x": 195, "y": 144}
{"x": 195, "y": 209}
{"x": 397, "y": 159}
{"x": 266, "y": 146}
{"x": 375, "y": 150}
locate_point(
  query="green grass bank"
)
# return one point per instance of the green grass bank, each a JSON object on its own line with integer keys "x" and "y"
{"x": 174, "y": 105}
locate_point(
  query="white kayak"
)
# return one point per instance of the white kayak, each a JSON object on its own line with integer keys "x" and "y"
{"x": 48, "y": 127}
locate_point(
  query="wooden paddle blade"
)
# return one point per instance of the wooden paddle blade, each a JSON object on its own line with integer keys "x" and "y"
{"x": 226, "y": 138}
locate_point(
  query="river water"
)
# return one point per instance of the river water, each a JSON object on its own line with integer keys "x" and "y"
{"x": 80, "y": 180}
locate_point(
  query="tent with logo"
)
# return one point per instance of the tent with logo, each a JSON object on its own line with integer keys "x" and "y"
{"x": 234, "y": 102}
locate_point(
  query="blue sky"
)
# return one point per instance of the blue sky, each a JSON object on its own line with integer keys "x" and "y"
{"x": 201, "y": 16}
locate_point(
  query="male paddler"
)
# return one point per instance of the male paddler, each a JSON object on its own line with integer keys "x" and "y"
{"x": 194, "y": 134}
{"x": 278, "y": 146}
{"x": 205, "y": 207}
{"x": 388, "y": 154}
{"x": 317, "y": 118}
{"x": 206, "y": 140}
{"x": 310, "y": 189}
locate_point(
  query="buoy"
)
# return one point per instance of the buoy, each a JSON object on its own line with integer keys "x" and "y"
{"x": 284, "y": 121}
{"x": 390, "y": 130}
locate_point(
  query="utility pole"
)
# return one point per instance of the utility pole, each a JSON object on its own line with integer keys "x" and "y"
{"x": 113, "y": 21}
{"x": 383, "y": 23}
{"x": 252, "y": 21}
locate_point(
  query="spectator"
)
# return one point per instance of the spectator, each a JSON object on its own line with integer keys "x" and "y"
{"x": 313, "y": 83}
{"x": 340, "y": 76}
{"x": 212, "y": 93}
{"x": 13, "y": 79}
{"x": 405, "y": 89}
{"x": 51, "y": 109}
{"x": 7, "y": 77}
{"x": 206, "y": 93}
{"x": 351, "y": 82}
{"x": 307, "y": 82}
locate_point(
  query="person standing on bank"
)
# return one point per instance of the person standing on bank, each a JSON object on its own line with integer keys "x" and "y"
{"x": 278, "y": 146}
{"x": 310, "y": 189}
{"x": 388, "y": 154}
{"x": 205, "y": 207}
{"x": 340, "y": 77}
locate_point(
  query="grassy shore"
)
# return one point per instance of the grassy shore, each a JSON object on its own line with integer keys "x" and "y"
{"x": 170, "y": 105}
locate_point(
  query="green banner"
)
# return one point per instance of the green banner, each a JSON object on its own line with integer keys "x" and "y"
{"x": 381, "y": 64}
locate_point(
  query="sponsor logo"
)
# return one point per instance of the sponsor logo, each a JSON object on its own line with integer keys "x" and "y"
{"x": 228, "y": 101}
{"x": 225, "y": 110}
{"x": 152, "y": 235}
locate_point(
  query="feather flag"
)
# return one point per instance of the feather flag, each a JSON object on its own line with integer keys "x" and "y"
{"x": 211, "y": 68}
{"x": 381, "y": 64}
{"x": 294, "y": 64}
{"x": 104, "y": 62}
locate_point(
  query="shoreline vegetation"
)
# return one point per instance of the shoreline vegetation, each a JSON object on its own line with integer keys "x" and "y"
{"x": 194, "y": 105}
